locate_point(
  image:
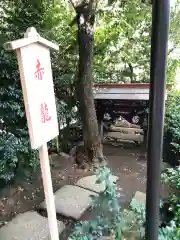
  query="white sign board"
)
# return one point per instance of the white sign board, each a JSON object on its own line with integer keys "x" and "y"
{"x": 38, "y": 92}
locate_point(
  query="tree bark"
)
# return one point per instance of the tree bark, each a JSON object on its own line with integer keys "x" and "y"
{"x": 85, "y": 38}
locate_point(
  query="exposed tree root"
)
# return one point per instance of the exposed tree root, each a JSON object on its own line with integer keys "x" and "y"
{"x": 88, "y": 158}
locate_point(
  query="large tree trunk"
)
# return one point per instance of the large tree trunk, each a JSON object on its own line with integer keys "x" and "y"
{"x": 85, "y": 37}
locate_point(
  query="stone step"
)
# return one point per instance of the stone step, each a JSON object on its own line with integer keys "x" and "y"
{"x": 124, "y": 136}
{"x": 126, "y": 130}
{"x": 28, "y": 226}
{"x": 124, "y": 123}
{"x": 140, "y": 198}
{"x": 71, "y": 201}
{"x": 89, "y": 183}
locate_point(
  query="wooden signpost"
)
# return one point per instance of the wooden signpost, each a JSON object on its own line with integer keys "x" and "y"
{"x": 38, "y": 92}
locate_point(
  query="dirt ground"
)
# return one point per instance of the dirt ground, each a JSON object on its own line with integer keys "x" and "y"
{"x": 27, "y": 195}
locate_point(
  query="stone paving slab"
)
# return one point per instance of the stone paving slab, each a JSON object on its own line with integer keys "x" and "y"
{"x": 71, "y": 201}
{"x": 28, "y": 226}
{"x": 117, "y": 135}
{"x": 140, "y": 197}
{"x": 106, "y": 238}
{"x": 89, "y": 183}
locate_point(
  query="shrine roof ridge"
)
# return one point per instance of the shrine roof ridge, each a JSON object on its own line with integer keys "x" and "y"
{"x": 127, "y": 85}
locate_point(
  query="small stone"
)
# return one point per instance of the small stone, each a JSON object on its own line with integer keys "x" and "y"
{"x": 61, "y": 176}
{"x": 89, "y": 183}
{"x": 20, "y": 189}
{"x": 71, "y": 201}
{"x": 29, "y": 226}
{"x": 65, "y": 155}
{"x": 140, "y": 197}
{"x": 164, "y": 166}
{"x": 1, "y": 224}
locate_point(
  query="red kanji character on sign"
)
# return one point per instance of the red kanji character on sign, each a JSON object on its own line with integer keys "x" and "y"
{"x": 39, "y": 71}
{"x": 44, "y": 113}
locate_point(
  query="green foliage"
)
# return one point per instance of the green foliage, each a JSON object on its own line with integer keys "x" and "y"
{"x": 14, "y": 144}
{"x": 173, "y": 65}
{"x": 174, "y": 43}
{"x": 172, "y": 118}
{"x": 52, "y": 22}
{"x": 64, "y": 64}
{"x": 16, "y": 156}
{"x": 122, "y": 42}
{"x": 172, "y": 179}
{"x": 8, "y": 145}
{"x": 174, "y": 29}
{"x": 118, "y": 223}
{"x": 112, "y": 221}
{"x": 169, "y": 233}
{"x": 123, "y": 39}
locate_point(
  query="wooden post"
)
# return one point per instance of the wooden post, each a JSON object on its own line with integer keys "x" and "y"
{"x": 48, "y": 190}
{"x": 159, "y": 44}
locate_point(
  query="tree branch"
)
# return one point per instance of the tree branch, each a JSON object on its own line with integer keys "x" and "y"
{"x": 96, "y": 4}
{"x": 72, "y": 3}
{"x": 75, "y": 18}
{"x": 86, "y": 8}
{"x": 171, "y": 50}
